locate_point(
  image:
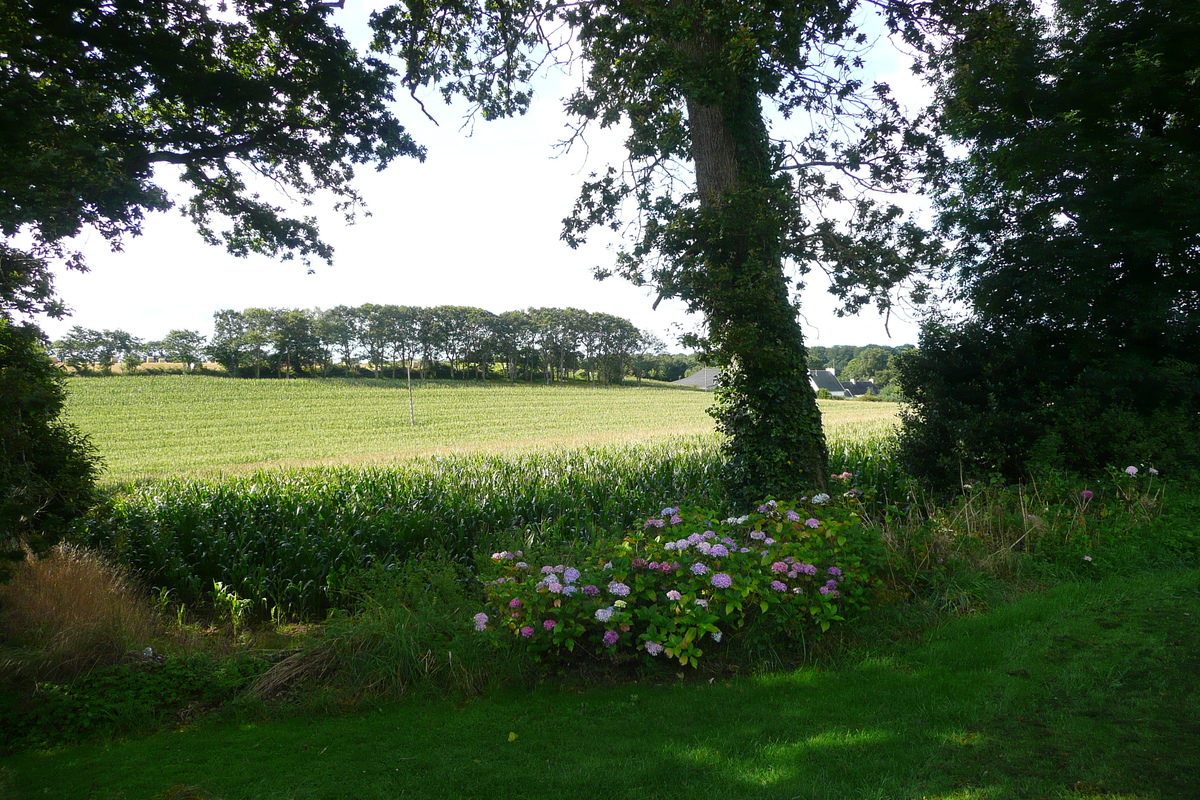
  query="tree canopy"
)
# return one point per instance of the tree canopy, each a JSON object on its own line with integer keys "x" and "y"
{"x": 1076, "y": 215}
{"x": 97, "y": 98}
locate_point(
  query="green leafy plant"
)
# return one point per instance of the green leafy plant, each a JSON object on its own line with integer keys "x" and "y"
{"x": 793, "y": 568}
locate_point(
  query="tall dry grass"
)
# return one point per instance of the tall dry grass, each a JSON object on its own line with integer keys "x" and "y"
{"x": 69, "y": 612}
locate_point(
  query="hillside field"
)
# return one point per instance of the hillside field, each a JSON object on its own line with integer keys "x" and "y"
{"x": 154, "y": 426}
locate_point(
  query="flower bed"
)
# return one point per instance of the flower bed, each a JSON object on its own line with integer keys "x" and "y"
{"x": 684, "y": 578}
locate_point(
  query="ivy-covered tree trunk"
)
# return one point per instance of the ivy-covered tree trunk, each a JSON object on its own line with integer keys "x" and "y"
{"x": 766, "y": 406}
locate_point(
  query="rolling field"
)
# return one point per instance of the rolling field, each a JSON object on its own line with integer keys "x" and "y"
{"x": 150, "y": 427}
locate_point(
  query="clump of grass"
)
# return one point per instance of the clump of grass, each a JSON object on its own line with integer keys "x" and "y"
{"x": 407, "y": 631}
{"x": 69, "y": 612}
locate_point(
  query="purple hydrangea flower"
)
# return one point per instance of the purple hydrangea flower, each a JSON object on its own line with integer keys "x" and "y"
{"x": 757, "y": 535}
{"x": 591, "y": 591}
{"x": 812, "y": 522}
{"x": 610, "y": 637}
{"x": 515, "y": 603}
{"x": 619, "y": 589}
{"x": 654, "y": 523}
{"x": 547, "y": 570}
{"x": 674, "y": 595}
{"x": 719, "y": 551}
{"x": 793, "y": 516}
{"x": 779, "y": 586}
{"x": 807, "y": 569}
{"x": 527, "y": 631}
{"x": 1086, "y": 494}
{"x": 1131, "y": 471}
{"x": 604, "y": 614}
{"x": 653, "y": 648}
{"x": 831, "y": 584}
{"x": 676, "y": 519}
{"x": 824, "y": 590}
{"x": 569, "y": 590}
{"x": 721, "y": 580}
{"x": 699, "y": 568}
{"x": 571, "y": 575}
{"x": 549, "y": 624}
{"x": 705, "y": 548}
{"x": 670, "y": 511}
{"x": 665, "y": 567}
{"x": 834, "y": 571}
{"x": 481, "y": 621}
{"x": 779, "y": 566}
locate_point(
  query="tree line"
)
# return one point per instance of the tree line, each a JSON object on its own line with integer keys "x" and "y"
{"x": 537, "y": 344}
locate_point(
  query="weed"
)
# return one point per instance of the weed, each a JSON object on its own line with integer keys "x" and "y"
{"x": 70, "y": 612}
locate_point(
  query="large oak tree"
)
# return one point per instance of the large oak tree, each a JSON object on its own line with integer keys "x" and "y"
{"x": 723, "y": 204}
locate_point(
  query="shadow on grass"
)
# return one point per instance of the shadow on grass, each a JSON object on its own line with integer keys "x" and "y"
{"x": 1089, "y": 691}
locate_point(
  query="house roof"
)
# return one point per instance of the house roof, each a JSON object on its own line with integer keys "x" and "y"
{"x": 859, "y": 388}
{"x": 825, "y": 379}
{"x": 820, "y": 379}
{"x": 705, "y": 378}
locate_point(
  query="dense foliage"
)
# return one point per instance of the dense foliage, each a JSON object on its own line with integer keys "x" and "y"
{"x": 1076, "y": 215}
{"x": 47, "y": 466}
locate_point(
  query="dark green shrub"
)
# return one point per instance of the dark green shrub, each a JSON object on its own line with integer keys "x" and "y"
{"x": 48, "y": 467}
{"x": 986, "y": 399}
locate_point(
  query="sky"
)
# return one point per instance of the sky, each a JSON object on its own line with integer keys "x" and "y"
{"x": 476, "y": 224}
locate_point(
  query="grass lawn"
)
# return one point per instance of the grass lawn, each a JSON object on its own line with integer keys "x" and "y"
{"x": 154, "y": 426}
{"x": 1086, "y": 691}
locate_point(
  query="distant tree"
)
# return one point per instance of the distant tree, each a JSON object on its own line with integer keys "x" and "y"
{"x": 80, "y": 349}
{"x": 340, "y": 333}
{"x": 868, "y": 362}
{"x": 184, "y": 347}
{"x": 228, "y": 345}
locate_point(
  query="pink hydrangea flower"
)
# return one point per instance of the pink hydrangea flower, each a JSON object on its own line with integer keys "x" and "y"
{"x": 549, "y": 624}
{"x": 1086, "y": 494}
{"x": 812, "y": 522}
{"x": 1131, "y": 470}
{"x": 515, "y": 603}
{"x": 481, "y": 621}
{"x": 674, "y": 595}
{"x": 527, "y": 631}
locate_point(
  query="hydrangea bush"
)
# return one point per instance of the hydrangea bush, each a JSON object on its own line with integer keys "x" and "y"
{"x": 685, "y": 580}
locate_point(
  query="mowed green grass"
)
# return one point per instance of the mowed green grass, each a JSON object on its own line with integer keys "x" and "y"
{"x": 149, "y": 427}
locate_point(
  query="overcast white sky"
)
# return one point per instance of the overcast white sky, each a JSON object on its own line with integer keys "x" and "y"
{"x": 477, "y": 224}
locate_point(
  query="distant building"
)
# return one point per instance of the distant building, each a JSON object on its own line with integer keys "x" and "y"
{"x": 819, "y": 378}
{"x": 704, "y": 379}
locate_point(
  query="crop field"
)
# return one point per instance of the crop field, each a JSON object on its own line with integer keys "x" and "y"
{"x": 156, "y": 426}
